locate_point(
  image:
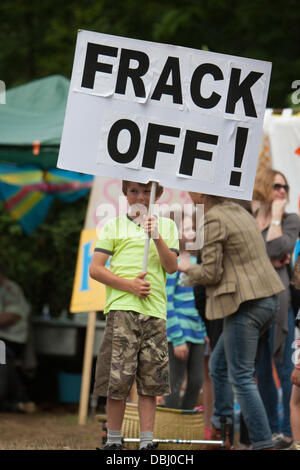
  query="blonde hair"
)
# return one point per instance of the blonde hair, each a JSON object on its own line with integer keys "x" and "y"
{"x": 264, "y": 184}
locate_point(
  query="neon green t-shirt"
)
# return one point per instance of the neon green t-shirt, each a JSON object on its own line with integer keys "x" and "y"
{"x": 124, "y": 240}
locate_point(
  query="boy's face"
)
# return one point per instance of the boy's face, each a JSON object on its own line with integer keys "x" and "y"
{"x": 138, "y": 194}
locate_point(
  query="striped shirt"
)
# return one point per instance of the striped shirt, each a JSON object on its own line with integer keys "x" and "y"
{"x": 184, "y": 323}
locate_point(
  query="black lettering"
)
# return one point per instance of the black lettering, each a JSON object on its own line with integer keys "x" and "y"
{"x": 153, "y": 145}
{"x": 238, "y": 90}
{"x": 112, "y": 141}
{"x": 190, "y": 151}
{"x": 126, "y": 72}
{"x": 240, "y": 145}
{"x": 91, "y": 65}
{"x": 162, "y": 88}
{"x": 197, "y": 77}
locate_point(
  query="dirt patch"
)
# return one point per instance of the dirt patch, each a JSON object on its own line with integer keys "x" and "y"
{"x": 48, "y": 431}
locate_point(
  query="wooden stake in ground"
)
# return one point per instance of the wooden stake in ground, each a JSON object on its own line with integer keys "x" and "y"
{"x": 87, "y": 368}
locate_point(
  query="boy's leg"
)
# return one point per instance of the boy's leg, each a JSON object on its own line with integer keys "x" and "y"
{"x": 115, "y": 413}
{"x": 116, "y": 368}
{"x": 147, "y": 409}
{"x": 152, "y": 376}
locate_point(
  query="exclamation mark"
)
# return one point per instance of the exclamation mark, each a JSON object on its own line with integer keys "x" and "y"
{"x": 240, "y": 144}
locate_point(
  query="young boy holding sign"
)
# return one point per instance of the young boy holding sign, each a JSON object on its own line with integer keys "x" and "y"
{"x": 134, "y": 346}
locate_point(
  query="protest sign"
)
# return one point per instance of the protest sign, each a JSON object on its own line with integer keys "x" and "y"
{"x": 143, "y": 111}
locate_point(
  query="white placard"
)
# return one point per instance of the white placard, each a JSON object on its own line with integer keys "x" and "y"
{"x": 143, "y": 111}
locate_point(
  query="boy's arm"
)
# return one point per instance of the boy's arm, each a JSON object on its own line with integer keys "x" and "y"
{"x": 168, "y": 258}
{"x": 100, "y": 273}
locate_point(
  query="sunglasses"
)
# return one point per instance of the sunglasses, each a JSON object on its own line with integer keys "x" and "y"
{"x": 278, "y": 186}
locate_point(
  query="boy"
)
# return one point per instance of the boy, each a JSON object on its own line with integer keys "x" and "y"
{"x": 134, "y": 344}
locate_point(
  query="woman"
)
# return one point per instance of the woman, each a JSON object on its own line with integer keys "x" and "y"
{"x": 241, "y": 287}
{"x": 280, "y": 231}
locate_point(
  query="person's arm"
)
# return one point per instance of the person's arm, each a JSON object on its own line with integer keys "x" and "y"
{"x": 279, "y": 245}
{"x": 100, "y": 273}
{"x": 8, "y": 319}
{"x": 295, "y": 377}
{"x": 210, "y": 271}
{"x": 277, "y": 211}
{"x": 168, "y": 258}
{"x": 174, "y": 330}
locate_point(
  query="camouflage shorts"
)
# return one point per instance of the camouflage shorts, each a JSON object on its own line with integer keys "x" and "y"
{"x": 134, "y": 347}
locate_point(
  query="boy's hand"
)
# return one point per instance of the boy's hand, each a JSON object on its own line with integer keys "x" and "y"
{"x": 150, "y": 225}
{"x": 140, "y": 287}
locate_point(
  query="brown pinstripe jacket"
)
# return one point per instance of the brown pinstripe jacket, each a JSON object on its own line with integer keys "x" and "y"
{"x": 235, "y": 266}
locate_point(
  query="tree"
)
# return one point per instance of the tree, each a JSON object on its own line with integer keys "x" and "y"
{"x": 40, "y": 37}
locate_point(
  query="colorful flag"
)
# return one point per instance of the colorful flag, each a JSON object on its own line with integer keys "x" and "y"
{"x": 28, "y": 191}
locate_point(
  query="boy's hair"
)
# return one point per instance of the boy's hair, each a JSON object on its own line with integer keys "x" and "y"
{"x": 159, "y": 188}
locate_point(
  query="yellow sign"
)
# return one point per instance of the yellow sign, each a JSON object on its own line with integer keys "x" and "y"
{"x": 88, "y": 295}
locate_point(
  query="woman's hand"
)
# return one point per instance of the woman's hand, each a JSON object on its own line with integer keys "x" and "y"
{"x": 184, "y": 265}
{"x": 181, "y": 352}
{"x": 281, "y": 262}
{"x": 278, "y": 208}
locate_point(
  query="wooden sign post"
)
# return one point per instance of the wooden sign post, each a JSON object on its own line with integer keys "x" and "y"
{"x": 87, "y": 368}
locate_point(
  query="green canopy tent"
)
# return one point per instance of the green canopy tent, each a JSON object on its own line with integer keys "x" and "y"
{"x": 32, "y": 122}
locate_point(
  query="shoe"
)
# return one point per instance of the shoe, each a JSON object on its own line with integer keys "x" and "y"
{"x": 269, "y": 448}
{"x": 295, "y": 446}
{"x": 27, "y": 407}
{"x": 281, "y": 442}
{"x": 245, "y": 446}
{"x": 112, "y": 447}
{"x": 277, "y": 436}
{"x": 151, "y": 446}
{"x": 216, "y": 436}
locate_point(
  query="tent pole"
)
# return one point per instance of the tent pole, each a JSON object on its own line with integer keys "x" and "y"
{"x": 87, "y": 368}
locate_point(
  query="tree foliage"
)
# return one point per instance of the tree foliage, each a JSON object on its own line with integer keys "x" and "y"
{"x": 43, "y": 263}
{"x": 40, "y": 37}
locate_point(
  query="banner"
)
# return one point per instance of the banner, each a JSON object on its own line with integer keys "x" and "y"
{"x": 283, "y": 132}
{"x": 142, "y": 111}
{"x": 88, "y": 295}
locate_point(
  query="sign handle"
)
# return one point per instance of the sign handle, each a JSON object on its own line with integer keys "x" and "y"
{"x": 147, "y": 243}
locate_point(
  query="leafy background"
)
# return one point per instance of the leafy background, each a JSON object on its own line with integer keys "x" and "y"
{"x": 43, "y": 263}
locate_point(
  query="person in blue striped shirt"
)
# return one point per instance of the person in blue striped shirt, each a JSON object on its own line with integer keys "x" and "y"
{"x": 186, "y": 333}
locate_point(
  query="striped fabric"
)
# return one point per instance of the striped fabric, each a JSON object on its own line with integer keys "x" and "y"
{"x": 184, "y": 323}
{"x": 28, "y": 191}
